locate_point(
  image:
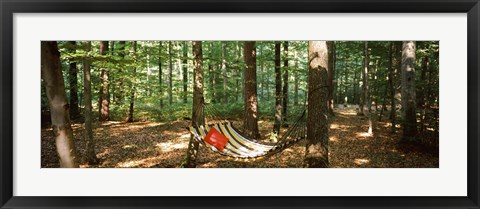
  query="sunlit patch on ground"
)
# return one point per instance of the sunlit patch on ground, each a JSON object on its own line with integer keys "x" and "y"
{"x": 164, "y": 145}
{"x": 361, "y": 161}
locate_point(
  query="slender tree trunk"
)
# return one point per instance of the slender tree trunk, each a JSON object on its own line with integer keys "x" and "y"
{"x": 356, "y": 99}
{"x": 120, "y": 82}
{"x": 185, "y": 72}
{"x": 317, "y": 125}
{"x": 285, "y": 83}
{"x": 112, "y": 76}
{"x": 238, "y": 68}
{"x": 211, "y": 73}
{"x": 331, "y": 52}
{"x": 132, "y": 93}
{"x": 408, "y": 91}
{"x": 262, "y": 73}
{"x": 169, "y": 73}
{"x": 72, "y": 78}
{"x": 160, "y": 73}
{"x": 90, "y": 155}
{"x": 422, "y": 100}
{"x": 250, "y": 91}
{"x": 295, "y": 76}
{"x": 198, "y": 117}
{"x": 59, "y": 108}
{"x": 345, "y": 82}
{"x": 104, "y": 98}
{"x": 334, "y": 70}
{"x": 224, "y": 72}
{"x": 366, "y": 93}
{"x": 278, "y": 90}
{"x": 391, "y": 82}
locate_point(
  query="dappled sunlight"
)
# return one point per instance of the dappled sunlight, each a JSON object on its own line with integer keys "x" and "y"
{"x": 361, "y": 161}
{"x": 169, "y": 146}
{"x": 363, "y": 135}
{"x": 148, "y": 162}
{"x": 339, "y": 126}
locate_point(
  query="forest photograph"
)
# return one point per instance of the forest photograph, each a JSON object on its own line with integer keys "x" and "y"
{"x": 239, "y": 104}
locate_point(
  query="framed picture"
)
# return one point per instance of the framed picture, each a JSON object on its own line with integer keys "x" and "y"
{"x": 265, "y": 104}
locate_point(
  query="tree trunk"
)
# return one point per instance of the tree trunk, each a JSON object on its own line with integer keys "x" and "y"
{"x": 285, "y": 83}
{"x": 59, "y": 108}
{"x": 334, "y": 70}
{"x": 185, "y": 72}
{"x": 391, "y": 82}
{"x": 72, "y": 78}
{"x": 104, "y": 98}
{"x": 345, "y": 82}
{"x": 121, "y": 92}
{"x": 331, "y": 52}
{"x": 262, "y": 73}
{"x": 316, "y": 155}
{"x": 278, "y": 90}
{"x": 295, "y": 76}
{"x": 408, "y": 91}
{"x": 160, "y": 81}
{"x": 423, "y": 89}
{"x": 366, "y": 93}
{"x": 90, "y": 155}
{"x": 250, "y": 90}
{"x": 133, "y": 90}
{"x": 169, "y": 73}
{"x": 238, "y": 68}
{"x": 198, "y": 117}
{"x": 211, "y": 73}
{"x": 224, "y": 72}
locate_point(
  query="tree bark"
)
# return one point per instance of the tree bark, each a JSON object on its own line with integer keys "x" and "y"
{"x": 90, "y": 155}
{"x": 317, "y": 125}
{"x": 262, "y": 73}
{"x": 185, "y": 72}
{"x": 198, "y": 117}
{"x": 120, "y": 82}
{"x": 104, "y": 97}
{"x": 133, "y": 90}
{"x": 169, "y": 73}
{"x": 224, "y": 72}
{"x": 250, "y": 91}
{"x": 160, "y": 79}
{"x": 238, "y": 68}
{"x": 285, "y": 83}
{"x": 72, "y": 78}
{"x": 408, "y": 91}
{"x": 295, "y": 76}
{"x": 391, "y": 83}
{"x": 366, "y": 90}
{"x": 425, "y": 89}
{"x": 211, "y": 73}
{"x": 59, "y": 108}
{"x": 278, "y": 90}
{"x": 331, "y": 74}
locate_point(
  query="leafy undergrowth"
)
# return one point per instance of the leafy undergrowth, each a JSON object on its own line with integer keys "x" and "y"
{"x": 164, "y": 144}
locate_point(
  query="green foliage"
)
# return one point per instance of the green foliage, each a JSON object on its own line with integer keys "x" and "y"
{"x": 139, "y": 72}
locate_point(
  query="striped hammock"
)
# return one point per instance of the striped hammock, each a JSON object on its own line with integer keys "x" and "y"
{"x": 238, "y": 147}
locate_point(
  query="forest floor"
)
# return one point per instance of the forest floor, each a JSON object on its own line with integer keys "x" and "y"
{"x": 164, "y": 144}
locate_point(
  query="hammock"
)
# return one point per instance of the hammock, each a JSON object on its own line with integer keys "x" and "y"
{"x": 240, "y": 148}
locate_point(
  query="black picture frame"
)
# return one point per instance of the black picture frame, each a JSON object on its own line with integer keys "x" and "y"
{"x": 10, "y": 7}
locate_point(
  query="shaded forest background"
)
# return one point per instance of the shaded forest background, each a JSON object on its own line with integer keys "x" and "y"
{"x": 141, "y": 96}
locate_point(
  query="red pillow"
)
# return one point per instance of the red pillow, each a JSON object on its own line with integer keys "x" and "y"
{"x": 216, "y": 139}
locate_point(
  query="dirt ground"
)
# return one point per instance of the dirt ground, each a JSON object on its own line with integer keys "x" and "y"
{"x": 163, "y": 145}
